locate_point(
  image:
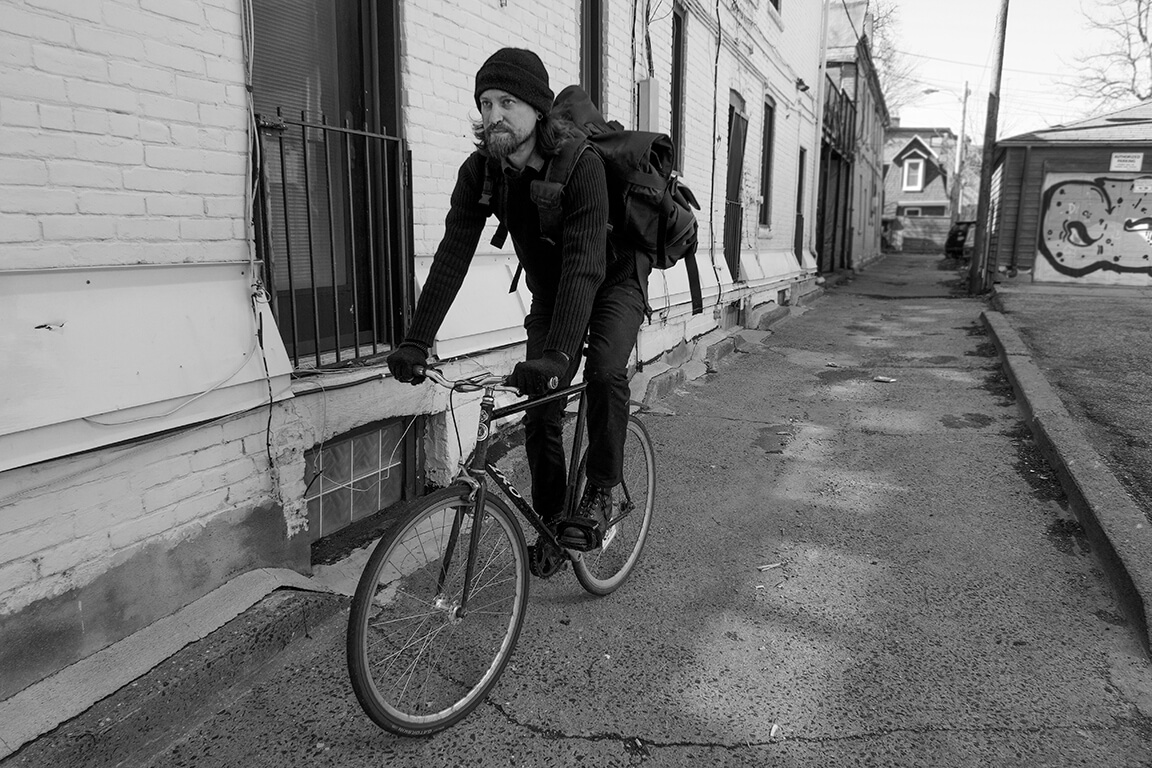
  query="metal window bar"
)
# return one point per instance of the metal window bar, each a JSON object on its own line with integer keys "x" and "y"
{"x": 332, "y": 232}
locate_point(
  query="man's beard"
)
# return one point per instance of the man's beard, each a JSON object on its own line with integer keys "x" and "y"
{"x": 501, "y": 141}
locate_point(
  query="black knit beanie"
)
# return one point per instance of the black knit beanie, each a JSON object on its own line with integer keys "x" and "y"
{"x": 519, "y": 72}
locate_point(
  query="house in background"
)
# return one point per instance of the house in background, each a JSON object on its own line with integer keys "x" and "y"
{"x": 851, "y": 71}
{"x": 918, "y": 175}
{"x": 1071, "y": 204}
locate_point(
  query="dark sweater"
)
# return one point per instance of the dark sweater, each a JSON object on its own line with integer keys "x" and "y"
{"x": 563, "y": 278}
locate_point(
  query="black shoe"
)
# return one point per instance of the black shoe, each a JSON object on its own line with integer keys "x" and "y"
{"x": 585, "y": 531}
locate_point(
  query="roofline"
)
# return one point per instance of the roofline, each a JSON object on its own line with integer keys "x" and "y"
{"x": 1068, "y": 143}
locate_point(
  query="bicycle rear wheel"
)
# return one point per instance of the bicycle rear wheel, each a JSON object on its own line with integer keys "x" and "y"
{"x": 418, "y": 664}
{"x": 603, "y": 570}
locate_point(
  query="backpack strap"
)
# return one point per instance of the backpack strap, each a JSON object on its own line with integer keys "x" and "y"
{"x": 547, "y": 194}
{"x": 501, "y": 235}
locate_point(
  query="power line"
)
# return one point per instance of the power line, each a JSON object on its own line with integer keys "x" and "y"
{"x": 982, "y": 66}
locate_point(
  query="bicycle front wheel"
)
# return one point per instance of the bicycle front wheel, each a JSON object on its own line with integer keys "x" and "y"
{"x": 603, "y": 570}
{"x": 418, "y": 661}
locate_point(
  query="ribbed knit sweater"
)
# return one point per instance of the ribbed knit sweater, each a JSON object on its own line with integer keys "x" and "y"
{"x": 563, "y": 278}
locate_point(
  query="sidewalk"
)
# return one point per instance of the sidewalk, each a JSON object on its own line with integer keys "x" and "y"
{"x": 1080, "y": 357}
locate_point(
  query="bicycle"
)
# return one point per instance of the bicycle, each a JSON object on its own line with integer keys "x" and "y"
{"x": 431, "y": 628}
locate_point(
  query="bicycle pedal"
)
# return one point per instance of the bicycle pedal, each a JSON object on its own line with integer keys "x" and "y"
{"x": 545, "y": 561}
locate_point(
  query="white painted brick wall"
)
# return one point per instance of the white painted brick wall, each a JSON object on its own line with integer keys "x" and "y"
{"x": 96, "y": 509}
{"x": 106, "y": 109}
{"x": 122, "y": 138}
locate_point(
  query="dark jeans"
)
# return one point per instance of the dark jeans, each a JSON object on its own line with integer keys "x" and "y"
{"x": 616, "y": 315}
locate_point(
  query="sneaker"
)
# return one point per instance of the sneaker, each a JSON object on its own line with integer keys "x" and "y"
{"x": 585, "y": 530}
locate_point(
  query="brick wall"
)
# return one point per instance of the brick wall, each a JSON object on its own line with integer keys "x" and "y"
{"x": 122, "y": 139}
{"x": 122, "y": 132}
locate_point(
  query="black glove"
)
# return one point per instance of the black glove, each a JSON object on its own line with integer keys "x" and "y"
{"x": 541, "y": 375}
{"x": 405, "y": 359}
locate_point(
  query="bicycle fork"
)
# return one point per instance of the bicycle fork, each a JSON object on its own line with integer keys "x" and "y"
{"x": 474, "y": 499}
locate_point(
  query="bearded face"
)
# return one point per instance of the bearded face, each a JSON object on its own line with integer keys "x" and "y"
{"x": 509, "y": 123}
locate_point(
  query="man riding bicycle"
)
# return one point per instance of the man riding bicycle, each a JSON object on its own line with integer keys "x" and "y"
{"x": 579, "y": 291}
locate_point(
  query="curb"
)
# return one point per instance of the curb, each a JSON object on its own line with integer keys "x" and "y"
{"x": 166, "y": 664}
{"x": 659, "y": 379}
{"x": 1114, "y": 524}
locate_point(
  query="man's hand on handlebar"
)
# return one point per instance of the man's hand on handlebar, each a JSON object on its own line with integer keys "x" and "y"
{"x": 407, "y": 362}
{"x": 539, "y": 375}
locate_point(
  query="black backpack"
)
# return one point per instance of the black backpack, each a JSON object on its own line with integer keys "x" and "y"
{"x": 650, "y": 211}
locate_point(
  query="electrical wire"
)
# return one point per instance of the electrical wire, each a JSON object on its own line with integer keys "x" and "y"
{"x": 183, "y": 404}
{"x": 712, "y": 190}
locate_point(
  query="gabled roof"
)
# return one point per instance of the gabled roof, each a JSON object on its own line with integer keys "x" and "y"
{"x": 1132, "y": 125}
{"x": 915, "y": 144}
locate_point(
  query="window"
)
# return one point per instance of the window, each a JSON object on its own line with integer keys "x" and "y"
{"x": 333, "y": 215}
{"x": 356, "y": 475}
{"x": 913, "y": 174}
{"x": 912, "y": 212}
{"x": 766, "y": 164}
{"x": 679, "y": 56}
{"x": 592, "y": 49}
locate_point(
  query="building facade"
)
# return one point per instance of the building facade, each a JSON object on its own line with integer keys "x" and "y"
{"x": 852, "y": 72}
{"x": 918, "y": 174}
{"x": 215, "y": 217}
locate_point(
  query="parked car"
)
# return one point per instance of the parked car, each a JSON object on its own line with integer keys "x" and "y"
{"x": 960, "y": 240}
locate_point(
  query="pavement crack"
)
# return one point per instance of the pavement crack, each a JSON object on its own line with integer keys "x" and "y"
{"x": 642, "y": 746}
{"x": 633, "y": 744}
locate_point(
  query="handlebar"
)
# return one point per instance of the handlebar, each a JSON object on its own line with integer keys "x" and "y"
{"x": 475, "y": 384}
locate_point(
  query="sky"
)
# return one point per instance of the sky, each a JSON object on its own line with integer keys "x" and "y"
{"x": 950, "y": 42}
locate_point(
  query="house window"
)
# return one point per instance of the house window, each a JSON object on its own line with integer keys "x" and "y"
{"x": 912, "y": 213}
{"x": 592, "y": 49}
{"x": 356, "y": 475}
{"x": 913, "y": 174}
{"x": 766, "y": 163}
{"x": 679, "y": 56}
{"x": 334, "y": 211}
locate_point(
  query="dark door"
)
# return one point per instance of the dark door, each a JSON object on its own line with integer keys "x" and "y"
{"x": 733, "y": 206}
{"x": 798, "y": 235}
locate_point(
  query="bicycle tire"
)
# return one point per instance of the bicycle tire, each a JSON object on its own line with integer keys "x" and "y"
{"x": 603, "y": 570}
{"x": 416, "y": 666}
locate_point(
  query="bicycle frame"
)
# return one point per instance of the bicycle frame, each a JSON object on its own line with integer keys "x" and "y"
{"x": 475, "y": 473}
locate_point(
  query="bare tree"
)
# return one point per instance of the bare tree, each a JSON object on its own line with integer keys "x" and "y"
{"x": 1121, "y": 71}
{"x": 897, "y": 75}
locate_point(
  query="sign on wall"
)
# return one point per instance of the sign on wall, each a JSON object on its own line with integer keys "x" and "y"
{"x": 1127, "y": 161}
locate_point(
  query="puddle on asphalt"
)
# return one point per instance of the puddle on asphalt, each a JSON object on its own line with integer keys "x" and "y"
{"x": 997, "y": 384}
{"x": 1111, "y": 618}
{"x": 1068, "y": 537}
{"x": 774, "y": 438}
{"x": 983, "y": 349}
{"x": 966, "y": 421}
{"x": 838, "y": 375}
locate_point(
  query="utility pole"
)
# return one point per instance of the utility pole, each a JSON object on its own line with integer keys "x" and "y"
{"x": 976, "y": 272}
{"x": 958, "y": 181}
